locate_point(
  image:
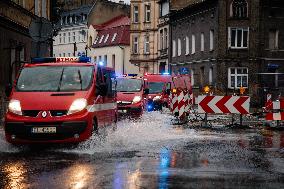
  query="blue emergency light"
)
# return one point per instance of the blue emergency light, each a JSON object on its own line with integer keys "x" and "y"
{"x": 101, "y": 63}
{"x": 82, "y": 59}
{"x": 166, "y": 73}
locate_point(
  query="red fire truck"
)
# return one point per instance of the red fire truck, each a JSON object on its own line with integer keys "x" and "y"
{"x": 159, "y": 87}
{"x": 60, "y": 100}
{"x": 130, "y": 95}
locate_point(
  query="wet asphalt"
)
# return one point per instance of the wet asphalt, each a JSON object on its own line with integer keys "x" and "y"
{"x": 151, "y": 153}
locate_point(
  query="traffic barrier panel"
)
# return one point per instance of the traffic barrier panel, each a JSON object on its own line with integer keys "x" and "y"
{"x": 275, "y": 116}
{"x": 275, "y": 105}
{"x": 223, "y": 104}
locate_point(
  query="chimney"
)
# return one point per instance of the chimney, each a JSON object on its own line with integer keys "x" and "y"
{"x": 121, "y": 2}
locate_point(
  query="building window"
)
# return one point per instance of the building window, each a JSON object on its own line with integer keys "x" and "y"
{"x": 135, "y": 45}
{"x": 239, "y": 9}
{"x": 101, "y": 39}
{"x": 210, "y": 76}
{"x": 96, "y": 40}
{"x": 106, "y": 38}
{"x": 43, "y": 8}
{"x": 273, "y": 39}
{"x": 64, "y": 37}
{"x": 186, "y": 45}
{"x": 174, "y": 48}
{"x": 60, "y": 39}
{"x": 147, "y": 45}
{"x": 37, "y": 7}
{"x": 192, "y": 77}
{"x": 202, "y": 42}
{"x": 69, "y": 54}
{"x": 147, "y": 13}
{"x": 211, "y": 38}
{"x": 105, "y": 60}
{"x": 166, "y": 38}
{"x": 238, "y": 37}
{"x": 161, "y": 39}
{"x": 202, "y": 76}
{"x": 69, "y": 37}
{"x": 113, "y": 61}
{"x": 237, "y": 77}
{"x": 114, "y": 37}
{"x": 90, "y": 41}
{"x": 59, "y": 54}
{"x": 63, "y": 54}
{"x": 135, "y": 14}
{"x": 74, "y": 36}
{"x": 192, "y": 44}
{"x": 179, "y": 47}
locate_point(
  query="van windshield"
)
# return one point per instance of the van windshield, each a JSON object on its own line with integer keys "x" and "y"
{"x": 156, "y": 87}
{"x": 55, "y": 78}
{"x": 128, "y": 85}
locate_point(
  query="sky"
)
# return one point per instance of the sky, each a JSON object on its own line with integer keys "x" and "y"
{"x": 126, "y": 1}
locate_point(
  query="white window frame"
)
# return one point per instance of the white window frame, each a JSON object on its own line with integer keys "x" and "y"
{"x": 186, "y": 45}
{"x": 192, "y": 77}
{"x": 179, "y": 47}
{"x": 230, "y": 29}
{"x": 147, "y": 13}
{"x": 174, "y": 48}
{"x": 202, "y": 42}
{"x": 211, "y": 38}
{"x": 237, "y": 76}
{"x": 135, "y": 14}
{"x": 193, "y": 44}
{"x": 147, "y": 44}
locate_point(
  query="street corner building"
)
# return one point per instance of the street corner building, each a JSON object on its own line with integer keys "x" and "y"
{"x": 16, "y": 44}
{"x": 112, "y": 45}
{"x": 229, "y": 44}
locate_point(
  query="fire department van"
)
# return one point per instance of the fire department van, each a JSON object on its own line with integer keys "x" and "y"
{"x": 130, "y": 95}
{"x": 60, "y": 100}
{"x": 159, "y": 88}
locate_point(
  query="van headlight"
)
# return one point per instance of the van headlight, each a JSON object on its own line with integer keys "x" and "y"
{"x": 136, "y": 99}
{"x": 15, "y": 107}
{"x": 77, "y": 106}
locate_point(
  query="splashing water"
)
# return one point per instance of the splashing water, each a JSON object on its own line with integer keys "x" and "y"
{"x": 153, "y": 130}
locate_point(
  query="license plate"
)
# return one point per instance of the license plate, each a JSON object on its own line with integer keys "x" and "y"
{"x": 44, "y": 130}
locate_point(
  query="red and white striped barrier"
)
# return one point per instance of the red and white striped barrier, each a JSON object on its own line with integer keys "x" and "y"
{"x": 275, "y": 116}
{"x": 181, "y": 104}
{"x": 275, "y": 105}
{"x": 223, "y": 104}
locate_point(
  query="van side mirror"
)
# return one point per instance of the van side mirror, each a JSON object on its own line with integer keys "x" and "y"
{"x": 102, "y": 89}
{"x": 8, "y": 90}
{"x": 168, "y": 91}
{"x": 146, "y": 91}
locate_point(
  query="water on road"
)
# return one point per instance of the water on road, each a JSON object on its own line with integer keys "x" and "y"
{"x": 151, "y": 153}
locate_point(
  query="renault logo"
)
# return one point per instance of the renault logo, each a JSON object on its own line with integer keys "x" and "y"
{"x": 44, "y": 114}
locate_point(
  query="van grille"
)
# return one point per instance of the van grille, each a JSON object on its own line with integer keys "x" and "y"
{"x": 58, "y": 112}
{"x": 30, "y": 113}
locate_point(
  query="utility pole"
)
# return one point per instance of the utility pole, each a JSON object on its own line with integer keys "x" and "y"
{"x": 74, "y": 49}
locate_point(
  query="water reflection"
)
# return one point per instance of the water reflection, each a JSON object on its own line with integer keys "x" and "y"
{"x": 15, "y": 174}
{"x": 165, "y": 162}
{"x": 79, "y": 176}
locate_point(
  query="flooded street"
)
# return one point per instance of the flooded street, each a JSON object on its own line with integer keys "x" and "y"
{"x": 151, "y": 153}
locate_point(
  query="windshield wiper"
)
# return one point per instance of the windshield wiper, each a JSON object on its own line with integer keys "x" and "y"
{"x": 80, "y": 77}
{"x": 60, "y": 81}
